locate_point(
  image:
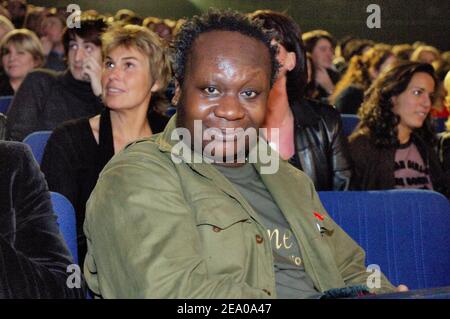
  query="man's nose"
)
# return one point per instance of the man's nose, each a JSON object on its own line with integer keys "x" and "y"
{"x": 79, "y": 54}
{"x": 229, "y": 108}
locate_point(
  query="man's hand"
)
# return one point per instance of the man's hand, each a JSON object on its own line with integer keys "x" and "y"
{"x": 324, "y": 80}
{"x": 47, "y": 45}
{"x": 402, "y": 288}
{"x": 92, "y": 71}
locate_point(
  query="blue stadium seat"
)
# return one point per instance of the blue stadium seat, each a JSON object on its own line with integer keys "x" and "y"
{"x": 66, "y": 221}
{"x": 37, "y": 141}
{"x": 439, "y": 124}
{"x": 349, "y": 122}
{"x": 5, "y": 102}
{"x": 405, "y": 232}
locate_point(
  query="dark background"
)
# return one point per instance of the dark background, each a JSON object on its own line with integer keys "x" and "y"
{"x": 402, "y": 21}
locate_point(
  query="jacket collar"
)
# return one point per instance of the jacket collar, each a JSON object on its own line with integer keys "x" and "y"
{"x": 286, "y": 192}
{"x": 279, "y": 184}
{"x": 304, "y": 113}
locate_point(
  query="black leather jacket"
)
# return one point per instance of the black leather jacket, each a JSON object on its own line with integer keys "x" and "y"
{"x": 321, "y": 149}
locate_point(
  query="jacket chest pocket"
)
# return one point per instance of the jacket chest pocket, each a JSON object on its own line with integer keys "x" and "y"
{"x": 224, "y": 228}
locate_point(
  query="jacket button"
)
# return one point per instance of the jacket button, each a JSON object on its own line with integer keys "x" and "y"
{"x": 259, "y": 239}
{"x": 216, "y": 229}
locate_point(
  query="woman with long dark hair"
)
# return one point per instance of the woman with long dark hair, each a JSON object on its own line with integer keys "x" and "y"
{"x": 393, "y": 145}
{"x": 310, "y": 133}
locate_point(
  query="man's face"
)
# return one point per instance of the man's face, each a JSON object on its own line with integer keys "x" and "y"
{"x": 79, "y": 52}
{"x": 226, "y": 85}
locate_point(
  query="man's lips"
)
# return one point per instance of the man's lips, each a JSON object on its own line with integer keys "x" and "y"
{"x": 223, "y": 134}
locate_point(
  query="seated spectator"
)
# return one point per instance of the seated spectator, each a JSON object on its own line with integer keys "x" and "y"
{"x": 353, "y": 47}
{"x": 310, "y": 133}
{"x": 124, "y": 14}
{"x": 321, "y": 45}
{"x": 183, "y": 228}
{"x": 136, "y": 68}
{"x": 444, "y": 139}
{"x": 33, "y": 255}
{"x": 17, "y": 10}
{"x": 46, "y": 98}
{"x": 403, "y": 51}
{"x": 5, "y": 26}
{"x": 311, "y": 85}
{"x": 33, "y": 20}
{"x": 426, "y": 54}
{"x": 349, "y": 93}
{"x": 393, "y": 145}
{"x": 20, "y": 52}
{"x": 52, "y": 29}
{"x": 162, "y": 27}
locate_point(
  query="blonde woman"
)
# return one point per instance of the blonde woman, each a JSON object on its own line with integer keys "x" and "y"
{"x": 135, "y": 68}
{"x": 20, "y": 51}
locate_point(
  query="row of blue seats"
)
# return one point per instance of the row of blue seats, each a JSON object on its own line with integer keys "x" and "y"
{"x": 405, "y": 232}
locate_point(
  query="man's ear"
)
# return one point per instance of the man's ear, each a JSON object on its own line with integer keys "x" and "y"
{"x": 176, "y": 97}
{"x": 291, "y": 61}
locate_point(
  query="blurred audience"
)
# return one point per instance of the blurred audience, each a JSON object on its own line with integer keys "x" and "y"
{"x": 5, "y": 26}
{"x": 349, "y": 92}
{"x": 444, "y": 138}
{"x": 17, "y": 12}
{"x": 47, "y": 98}
{"x": 426, "y": 54}
{"x": 403, "y": 51}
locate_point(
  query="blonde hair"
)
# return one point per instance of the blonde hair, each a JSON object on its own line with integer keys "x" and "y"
{"x": 26, "y": 40}
{"x": 415, "y": 56}
{"x": 6, "y": 24}
{"x": 447, "y": 97}
{"x": 147, "y": 42}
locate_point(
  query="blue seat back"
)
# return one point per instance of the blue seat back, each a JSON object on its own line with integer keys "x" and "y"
{"x": 66, "y": 221}
{"x": 5, "y": 102}
{"x": 37, "y": 141}
{"x": 349, "y": 123}
{"x": 405, "y": 232}
{"x": 439, "y": 124}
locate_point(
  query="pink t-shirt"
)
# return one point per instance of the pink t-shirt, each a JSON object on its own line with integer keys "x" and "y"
{"x": 410, "y": 170}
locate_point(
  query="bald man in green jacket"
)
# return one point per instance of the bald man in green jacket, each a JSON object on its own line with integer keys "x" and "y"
{"x": 173, "y": 218}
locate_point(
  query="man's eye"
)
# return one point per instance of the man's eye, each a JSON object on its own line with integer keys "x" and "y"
{"x": 249, "y": 94}
{"x": 109, "y": 64}
{"x": 89, "y": 49}
{"x": 211, "y": 90}
{"x": 73, "y": 46}
{"x": 129, "y": 65}
{"x": 417, "y": 92}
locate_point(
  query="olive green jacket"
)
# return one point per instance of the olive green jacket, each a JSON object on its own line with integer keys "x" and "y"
{"x": 157, "y": 229}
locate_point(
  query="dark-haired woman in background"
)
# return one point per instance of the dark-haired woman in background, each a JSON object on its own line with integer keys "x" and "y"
{"x": 320, "y": 44}
{"x": 310, "y": 133}
{"x": 393, "y": 145}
